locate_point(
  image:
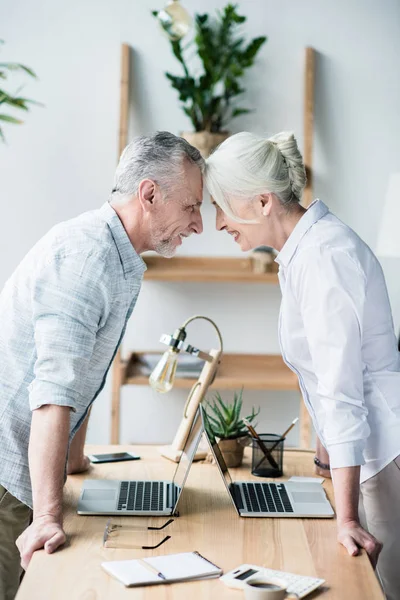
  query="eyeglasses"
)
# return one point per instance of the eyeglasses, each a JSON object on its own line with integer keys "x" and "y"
{"x": 113, "y": 528}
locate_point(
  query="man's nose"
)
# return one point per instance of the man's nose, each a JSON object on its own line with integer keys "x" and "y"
{"x": 198, "y": 224}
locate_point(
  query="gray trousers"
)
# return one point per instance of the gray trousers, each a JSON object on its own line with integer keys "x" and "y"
{"x": 14, "y": 519}
{"x": 380, "y": 515}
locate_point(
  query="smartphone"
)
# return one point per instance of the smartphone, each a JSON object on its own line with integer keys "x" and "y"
{"x": 113, "y": 457}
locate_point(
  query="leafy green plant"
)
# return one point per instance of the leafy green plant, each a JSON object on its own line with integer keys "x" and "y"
{"x": 225, "y": 419}
{"x": 208, "y": 99}
{"x": 13, "y": 100}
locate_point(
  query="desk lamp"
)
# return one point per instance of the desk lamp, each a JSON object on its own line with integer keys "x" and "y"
{"x": 163, "y": 376}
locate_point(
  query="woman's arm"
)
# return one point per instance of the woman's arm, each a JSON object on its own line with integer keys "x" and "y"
{"x": 346, "y": 483}
{"x": 323, "y": 457}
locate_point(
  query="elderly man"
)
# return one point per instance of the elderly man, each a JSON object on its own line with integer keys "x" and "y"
{"x": 63, "y": 314}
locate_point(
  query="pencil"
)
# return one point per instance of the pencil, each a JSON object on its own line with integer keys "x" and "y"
{"x": 150, "y": 568}
{"x": 262, "y": 446}
{"x": 284, "y": 434}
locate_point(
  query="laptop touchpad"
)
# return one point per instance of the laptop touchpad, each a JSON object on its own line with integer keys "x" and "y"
{"x": 306, "y": 497}
{"x": 99, "y": 494}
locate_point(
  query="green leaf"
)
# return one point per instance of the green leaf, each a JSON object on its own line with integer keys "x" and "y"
{"x": 10, "y": 119}
{"x": 240, "y": 111}
{"x": 18, "y": 67}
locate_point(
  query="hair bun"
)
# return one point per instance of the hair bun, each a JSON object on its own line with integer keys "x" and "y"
{"x": 287, "y": 146}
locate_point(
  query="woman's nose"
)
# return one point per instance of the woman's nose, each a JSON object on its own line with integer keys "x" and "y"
{"x": 220, "y": 221}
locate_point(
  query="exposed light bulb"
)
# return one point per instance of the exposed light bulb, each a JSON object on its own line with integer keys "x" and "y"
{"x": 163, "y": 375}
{"x": 175, "y": 20}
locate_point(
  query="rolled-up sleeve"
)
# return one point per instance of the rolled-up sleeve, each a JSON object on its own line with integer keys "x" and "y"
{"x": 70, "y": 300}
{"x": 330, "y": 289}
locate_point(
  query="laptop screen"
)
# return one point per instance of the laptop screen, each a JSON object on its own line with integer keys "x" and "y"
{"x": 188, "y": 452}
{"x": 209, "y": 433}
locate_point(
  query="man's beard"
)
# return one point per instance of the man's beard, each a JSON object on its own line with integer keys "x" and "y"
{"x": 166, "y": 248}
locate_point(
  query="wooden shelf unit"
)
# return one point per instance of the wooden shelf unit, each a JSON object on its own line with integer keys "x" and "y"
{"x": 252, "y": 371}
{"x": 206, "y": 269}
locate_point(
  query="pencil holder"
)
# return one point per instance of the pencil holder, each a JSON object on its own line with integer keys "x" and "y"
{"x": 267, "y": 461}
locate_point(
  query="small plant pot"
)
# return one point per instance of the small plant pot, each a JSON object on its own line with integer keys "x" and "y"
{"x": 205, "y": 141}
{"x": 232, "y": 451}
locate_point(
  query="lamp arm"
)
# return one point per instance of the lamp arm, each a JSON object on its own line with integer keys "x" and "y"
{"x": 210, "y": 321}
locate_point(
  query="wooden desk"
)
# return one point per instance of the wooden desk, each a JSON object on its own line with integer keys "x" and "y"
{"x": 209, "y": 524}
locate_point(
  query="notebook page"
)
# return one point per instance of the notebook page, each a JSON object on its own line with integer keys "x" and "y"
{"x": 130, "y": 572}
{"x": 185, "y": 565}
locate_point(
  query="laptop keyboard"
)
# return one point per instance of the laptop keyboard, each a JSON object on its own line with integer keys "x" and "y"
{"x": 265, "y": 497}
{"x": 141, "y": 495}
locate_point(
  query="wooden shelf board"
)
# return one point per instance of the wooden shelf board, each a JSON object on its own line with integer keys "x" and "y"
{"x": 252, "y": 371}
{"x": 202, "y": 269}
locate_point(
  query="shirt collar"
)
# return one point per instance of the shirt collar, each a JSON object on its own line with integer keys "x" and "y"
{"x": 314, "y": 213}
{"x": 130, "y": 259}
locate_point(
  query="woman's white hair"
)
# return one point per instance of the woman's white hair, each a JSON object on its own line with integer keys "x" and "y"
{"x": 247, "y": 165}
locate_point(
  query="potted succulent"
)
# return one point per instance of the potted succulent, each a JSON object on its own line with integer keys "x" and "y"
{"x": 228, "y": 427}
{"x": 209, "y": 97}
{"x": 8, "y": 99}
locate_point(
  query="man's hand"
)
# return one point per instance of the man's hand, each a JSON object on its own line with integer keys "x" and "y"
{"x": 78, "y": 465}
{"x": 44, "y": 532}
{"x": 353, "y": 537}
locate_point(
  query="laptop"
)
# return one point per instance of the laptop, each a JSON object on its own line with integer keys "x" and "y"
{"x": 265, "y": 499}
{"x": 136, "y": 498}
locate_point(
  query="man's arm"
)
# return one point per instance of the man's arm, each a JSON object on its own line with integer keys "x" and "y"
{"x": 77, "y": 461}
{"x": 70, "y": 299}
{"x": 47, "y": 455}
{"x": 351, "y": 535}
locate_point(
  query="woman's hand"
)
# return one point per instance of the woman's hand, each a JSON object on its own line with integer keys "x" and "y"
{"x": 353, "y": 537}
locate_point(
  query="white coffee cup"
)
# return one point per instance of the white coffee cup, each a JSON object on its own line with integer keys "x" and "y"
{"x": 265, "y": 588}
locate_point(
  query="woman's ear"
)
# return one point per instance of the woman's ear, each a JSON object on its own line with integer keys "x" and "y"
{"x": 147, "y": 193}
{"x": 265, "y": 203}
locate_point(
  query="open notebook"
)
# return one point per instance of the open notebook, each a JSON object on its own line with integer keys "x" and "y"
{"x": 186, "y": 566}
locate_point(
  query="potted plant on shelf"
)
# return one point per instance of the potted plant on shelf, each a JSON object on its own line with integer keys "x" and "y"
{"x": 209, "y": 97}
{"x": 228, "y": 427}
{"x": 8, "y": 99}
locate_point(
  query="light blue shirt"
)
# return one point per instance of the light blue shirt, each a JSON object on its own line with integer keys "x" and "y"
{"x": 336, "y": 333}
{"x": 63, "y": 314}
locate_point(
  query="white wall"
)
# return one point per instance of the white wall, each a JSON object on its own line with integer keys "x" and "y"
{"x": 61, "y": 162}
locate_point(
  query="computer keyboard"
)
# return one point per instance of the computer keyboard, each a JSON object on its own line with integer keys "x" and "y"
{"x": 141, "y": 496}
{"x": 265, "y": 497}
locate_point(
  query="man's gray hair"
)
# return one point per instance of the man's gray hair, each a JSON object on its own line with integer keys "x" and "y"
{"x": 159, "y": 157}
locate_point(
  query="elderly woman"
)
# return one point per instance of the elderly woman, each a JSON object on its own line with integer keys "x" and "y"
{"x": 335, "y": 330}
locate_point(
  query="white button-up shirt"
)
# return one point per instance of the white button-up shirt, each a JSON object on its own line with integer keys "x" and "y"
{"x": 336, "y": 333}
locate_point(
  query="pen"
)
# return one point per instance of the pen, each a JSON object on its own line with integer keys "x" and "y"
{"x": 259, "y": 441}
{"x": 150, "y": 568}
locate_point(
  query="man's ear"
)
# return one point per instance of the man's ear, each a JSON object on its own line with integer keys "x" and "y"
{"x": 147, "y": 194}
{"x": 265, "y": 204}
